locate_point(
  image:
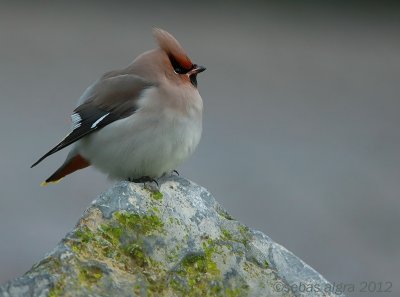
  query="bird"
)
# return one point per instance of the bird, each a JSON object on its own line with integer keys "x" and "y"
{"x": 137, "y": 123}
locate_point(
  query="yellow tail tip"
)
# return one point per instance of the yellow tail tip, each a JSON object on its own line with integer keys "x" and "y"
{"x": 45, "y": 184}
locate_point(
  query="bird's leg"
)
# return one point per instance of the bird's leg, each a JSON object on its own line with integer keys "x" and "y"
{"x": 144, "y": 180}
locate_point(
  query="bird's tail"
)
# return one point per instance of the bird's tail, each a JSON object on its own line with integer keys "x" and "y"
{"x": 70, "y": 165}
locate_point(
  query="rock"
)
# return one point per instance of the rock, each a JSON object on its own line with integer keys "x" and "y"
{"x": 135, "y": 241}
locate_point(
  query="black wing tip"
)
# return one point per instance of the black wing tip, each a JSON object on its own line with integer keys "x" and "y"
{"x": 37, "y": 162}
{"x": 52, "y": 151}
{"x": 45, "y": 156}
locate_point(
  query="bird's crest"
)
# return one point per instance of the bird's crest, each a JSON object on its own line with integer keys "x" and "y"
{"x": 171, "y": 46}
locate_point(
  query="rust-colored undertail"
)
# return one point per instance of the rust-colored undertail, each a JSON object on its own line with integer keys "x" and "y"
{"x": 70, "y": 165}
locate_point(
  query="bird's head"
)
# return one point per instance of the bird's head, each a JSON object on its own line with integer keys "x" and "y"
{"x": 169, "y": 61}
{"x": 178, "y": 64}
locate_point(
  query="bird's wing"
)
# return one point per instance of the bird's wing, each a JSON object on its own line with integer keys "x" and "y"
{"x": 108, "y": 100}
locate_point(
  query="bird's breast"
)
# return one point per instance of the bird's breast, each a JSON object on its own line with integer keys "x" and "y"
{"x": 150, "y": 142}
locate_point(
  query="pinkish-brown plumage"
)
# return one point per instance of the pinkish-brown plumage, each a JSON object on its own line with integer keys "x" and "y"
{"x": 171, "y": 46}
{"x": 140, "y": 121}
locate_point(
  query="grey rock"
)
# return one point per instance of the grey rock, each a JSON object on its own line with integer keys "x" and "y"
{"x": 178, "y": 241}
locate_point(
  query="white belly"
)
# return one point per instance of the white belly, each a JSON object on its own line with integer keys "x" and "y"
{"x": 142, "y": 145}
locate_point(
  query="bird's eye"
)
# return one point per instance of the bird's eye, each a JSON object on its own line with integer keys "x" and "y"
{"x": 180, "y": 70}
{"x": 177, "y": 67}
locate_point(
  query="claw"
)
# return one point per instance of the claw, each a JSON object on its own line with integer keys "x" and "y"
{"x": 143, "y": 179}
{"x": 156, "y": 182}
{"x": 175, "y": 171}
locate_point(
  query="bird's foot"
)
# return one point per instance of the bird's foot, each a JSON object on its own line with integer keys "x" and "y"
{"x": 175, "y": 171}
{"x": 144, "y": 180}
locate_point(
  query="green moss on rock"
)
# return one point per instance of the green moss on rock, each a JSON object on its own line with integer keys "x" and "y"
{"x": 125, "y": 243}
{"x": 141, "y": 224}
{"x": 157, "y": 195}
{"x": 120, "y": 239}
{"x": 58, "y": 288}
{"x": 90, "y": 275}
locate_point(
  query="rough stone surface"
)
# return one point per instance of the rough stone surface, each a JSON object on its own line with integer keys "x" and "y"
{"x": 178, "y": 241}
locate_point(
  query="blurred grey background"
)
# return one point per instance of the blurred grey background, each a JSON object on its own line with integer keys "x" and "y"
{"x": 301, "y": 125}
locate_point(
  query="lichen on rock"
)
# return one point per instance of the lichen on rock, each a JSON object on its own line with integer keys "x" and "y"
{"x": 177, "y": 241}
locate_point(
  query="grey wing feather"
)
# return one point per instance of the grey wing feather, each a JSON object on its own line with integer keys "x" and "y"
{"x": 108, "y": 100}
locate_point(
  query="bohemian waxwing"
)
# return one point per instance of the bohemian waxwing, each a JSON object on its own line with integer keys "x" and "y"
{"x": 140, "y": 122}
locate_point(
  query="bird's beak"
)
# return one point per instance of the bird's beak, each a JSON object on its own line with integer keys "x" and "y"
{"x": 196, "y": 69}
